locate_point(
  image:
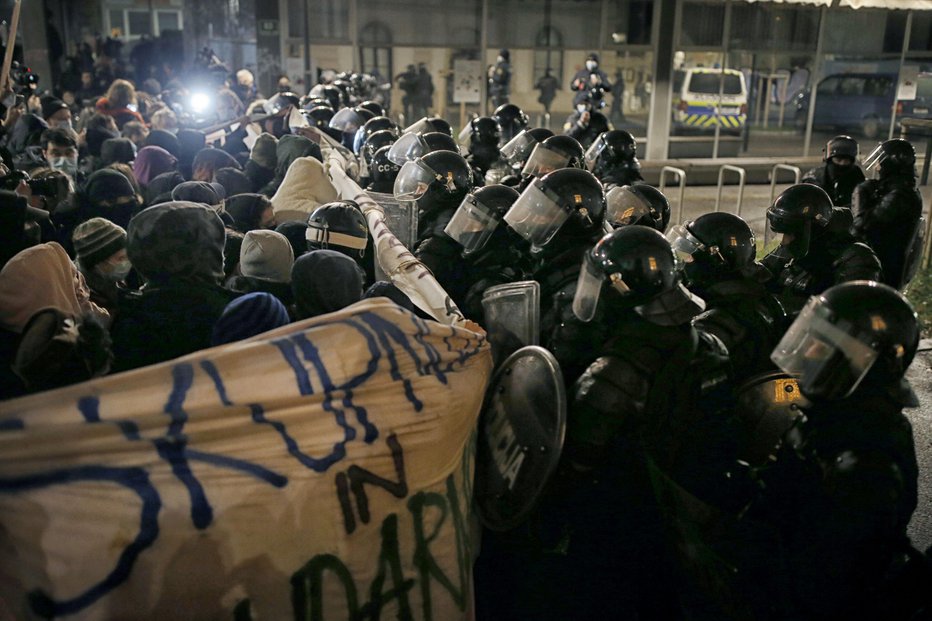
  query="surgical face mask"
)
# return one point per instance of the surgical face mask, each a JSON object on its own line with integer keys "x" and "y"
{"x": 591, "y": 65}
{"x": 66, "y": 124}
{"x": 500, "y": 59}
{"x": 117, "y": 272}
{"x": 66, "y": 164}
{"x": 582, "y": 107}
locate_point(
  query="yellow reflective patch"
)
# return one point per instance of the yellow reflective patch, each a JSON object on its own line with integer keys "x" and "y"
{"x": 652, "y": 264}
{"x": 785, "y": 390}
{"x": 878, "y": 324}
{"x": 577, "y": 198}
{"x": 627, "y": 213}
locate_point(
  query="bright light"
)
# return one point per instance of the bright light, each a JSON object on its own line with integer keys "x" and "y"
{"x": 200, "y": 102}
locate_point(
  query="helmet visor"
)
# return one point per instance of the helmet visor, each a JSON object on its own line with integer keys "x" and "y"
{"x": 347, "y": 120}
{"x": 875, "y": 158}
{"x": 413, "y": 180}
{"x": 472, "y": 224}
{"x": 593, "y": 153}
{"x": 420, "y": 127}
{"x": 536, "y": 215}
{"x": 407, "y": 148}
{"x": 827, "y": 360}
{"x": 518, "y": 148}
{"x": 684, "y": 245}
{"x": 588, "y": 290}
{"x": 543, "y": 161}
{"x": 465, "y": 138}
{"x": 624, "y": 207}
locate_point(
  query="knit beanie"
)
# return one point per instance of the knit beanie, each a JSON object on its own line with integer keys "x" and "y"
{"x": 247, "y": 316}
{"x": 266, "y": 255}
{"x": 264, "y": 151}
{"x": 97, "y": 240}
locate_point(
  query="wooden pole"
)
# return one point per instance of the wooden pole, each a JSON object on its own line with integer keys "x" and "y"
{"x": 10, "y": 44}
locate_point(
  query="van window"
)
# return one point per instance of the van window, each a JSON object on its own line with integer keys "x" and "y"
{"x": 924, "y": 90}
{"x": 852, "y": 86}
{"x": 678, "y": 76}
{"x": 878, "y": 86}
{"x": 828, "y": 86}
{"x": 708, "y": 83}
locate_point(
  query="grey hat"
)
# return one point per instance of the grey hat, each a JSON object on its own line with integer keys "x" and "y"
{"x": 266, "y": 255}
{"x": 97, "y": 240}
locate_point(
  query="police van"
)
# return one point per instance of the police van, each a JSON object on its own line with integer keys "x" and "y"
{"x": 696, "y": 104}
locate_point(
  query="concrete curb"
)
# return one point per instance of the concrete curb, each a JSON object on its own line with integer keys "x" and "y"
{"x": 925, "y": 345}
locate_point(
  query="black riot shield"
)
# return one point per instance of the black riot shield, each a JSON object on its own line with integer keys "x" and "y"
{"x": 401, "y": 219}
{"x": 512, "y": 316}
{"x": 767, "y": 406}
{"x": 520, "y": 436}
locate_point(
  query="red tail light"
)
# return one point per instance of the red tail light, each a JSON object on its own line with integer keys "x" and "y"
{"x": 899, "y": 107}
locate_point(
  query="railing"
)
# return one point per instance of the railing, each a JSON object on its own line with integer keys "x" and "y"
{"x": 742, "y": 175}
{"x": 681, "y": 175}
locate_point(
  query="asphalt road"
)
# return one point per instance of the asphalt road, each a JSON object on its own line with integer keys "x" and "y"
{"x": 920, "y": 376}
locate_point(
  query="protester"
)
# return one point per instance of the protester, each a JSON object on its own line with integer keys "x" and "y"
{"x": 178, "y": 250}
{"x": 249, "y": 315}
{"x": 151, "y": 162}
{"x": 251, "y": 211}
{"x": 100, "y": 248}
{"x": 324, "y": 281}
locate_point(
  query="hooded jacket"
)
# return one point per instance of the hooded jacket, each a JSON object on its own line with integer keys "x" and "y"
{"x": 305, "y": 187}
{"x": 178, "y": 249}
{"x": 324, "y": 281}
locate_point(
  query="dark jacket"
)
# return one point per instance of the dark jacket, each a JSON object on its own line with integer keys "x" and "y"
{"x": 886, "y": 216}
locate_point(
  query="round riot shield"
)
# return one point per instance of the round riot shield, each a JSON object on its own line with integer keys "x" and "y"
{"x": 768, "y": 404}
{"x": 520, "y": 436}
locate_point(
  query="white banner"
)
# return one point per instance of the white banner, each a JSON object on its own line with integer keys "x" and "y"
{"x": 320, "y": 471}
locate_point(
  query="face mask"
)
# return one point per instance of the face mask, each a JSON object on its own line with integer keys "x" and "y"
{"x": 581, "y": 107}
{"x": 118, "y": 272}
{"x": 67, "y": 165}
{"x": 591, "y": 65}
{"x": 500, "y": 59}
{"x": 66, "y": 124}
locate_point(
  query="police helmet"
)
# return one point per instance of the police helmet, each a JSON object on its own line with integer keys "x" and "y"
{"x": 796, "y": 212}
{"x": 479, "y": 215}
{"x": 340, "y": 226}
{"x": 637, "y": 203}
{"x": 851, "y": 331}
{"x": 639, "y": 267}
{"x": 436, "y": 179}
{"x": 569, "y": 201}
{"x": 512, "y": 120}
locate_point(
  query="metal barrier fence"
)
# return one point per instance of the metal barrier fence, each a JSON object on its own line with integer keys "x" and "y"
{"x": 681, "y": 175}
{"x": 742, "y": 175}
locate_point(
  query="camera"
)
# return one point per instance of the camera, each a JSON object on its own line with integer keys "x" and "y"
{"x": 46, "y": 186}
{"x": 23, "y": 79}
{"x": 12, "y": 180}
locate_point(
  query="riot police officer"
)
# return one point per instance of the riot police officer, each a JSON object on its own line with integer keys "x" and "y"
{"x": 500, "y": 79}
{"x": 718, "y": 253}
{"x": 552, "y": 154}
{"x": 887, "y": 211}
{"x": 512, "y": 120}
{"x": 517, "y": 150}
{"x": 637, "y": 203}
{"x": 493, "y": 252}
{"x": 656, "y": 383}
{"x": 375, "y": 124}
{"x": 382, "y": 172}
{"x": 612, "y": 158}
{"x": 839, "y": 173}
{"x": 843, "y": 484}
{"x": 561, "y": 214}
{"x": 814, "y": 253}
{"x": 481, "y": 137}
{"x": 341, "y": 226}
{"x": 438, "y": 181}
